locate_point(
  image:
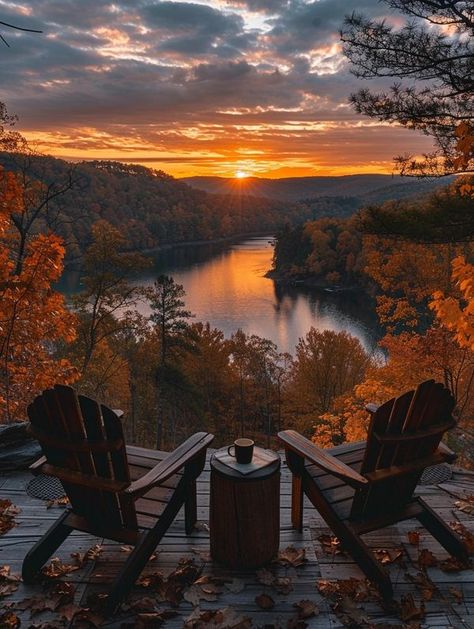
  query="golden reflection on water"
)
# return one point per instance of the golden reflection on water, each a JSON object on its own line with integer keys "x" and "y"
{"x": 229, "y": 289}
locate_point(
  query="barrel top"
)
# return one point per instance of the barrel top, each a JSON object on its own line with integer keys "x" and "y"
{"x": 264, "y": 463}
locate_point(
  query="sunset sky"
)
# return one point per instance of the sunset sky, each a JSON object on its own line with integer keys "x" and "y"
{"x": 212, "y": 87}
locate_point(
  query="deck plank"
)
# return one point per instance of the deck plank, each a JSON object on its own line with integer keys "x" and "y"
{"x": 442, "y": 611}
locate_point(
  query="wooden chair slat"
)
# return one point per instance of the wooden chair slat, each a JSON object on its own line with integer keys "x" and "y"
{"x": 83, "y": 446}
{"x": 404, "y": 438}
{"x": 93, "y": 423}
{"x": 113, "y": 430}
{"x": 378, "y": 424}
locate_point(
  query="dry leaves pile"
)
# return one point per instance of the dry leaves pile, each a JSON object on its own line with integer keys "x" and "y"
{"x": 8, "y": 511}
{"x": 466, "y": 504}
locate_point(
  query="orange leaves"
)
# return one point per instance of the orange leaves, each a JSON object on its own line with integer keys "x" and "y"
{"x": 33, "y": 317}
{"x": 8, "y": 511}
{"x": 457, "y": 313}
{"x": 464, "y": 146}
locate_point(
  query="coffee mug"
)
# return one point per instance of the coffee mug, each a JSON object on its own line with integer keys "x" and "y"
{"x": 243, "y": 450}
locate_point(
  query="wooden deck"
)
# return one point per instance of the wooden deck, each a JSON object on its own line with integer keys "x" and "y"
{"x": 452, "y": 595}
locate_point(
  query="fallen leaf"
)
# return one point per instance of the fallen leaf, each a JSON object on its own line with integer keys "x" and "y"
{"x": 349, "y": 613}
{"x": 216, "y": 618}
{"x": 466, "y": 535}
{"x": 388, "y": 556}
{"x": 57, "y": 568}
{"x": 452, "y": 564}
{"x": 8, "y": 582}
{"x": 357, "y": 589}
{"x": 265, "y": 601}
{"x": 409, "y": 610}
{"x": 426, "y": 559}
{"x": 330, "y": 545}
{"x": 283, "y": 585}
{"x": 58, "y": 502}
{"x": 201, "y": 526}
{"x": 466, "y": 504}
{"x": 90, "y": 555}
{"x": 414, "y": 538}
{"x": 306, "y": 609}
{"x": 292, "y": 556}
{"x": 8, "y": 511}
{"x": 424, "y": 583}
{"x": 196, "y": 593}
{"x": 185, "y": 574}
{"x": 153, "y": 580}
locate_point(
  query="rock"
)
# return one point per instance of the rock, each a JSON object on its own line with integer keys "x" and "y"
{"x": 17, "y": 448}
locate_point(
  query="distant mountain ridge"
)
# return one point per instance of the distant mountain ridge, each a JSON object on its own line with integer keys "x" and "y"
{"x": 372, "y": 188}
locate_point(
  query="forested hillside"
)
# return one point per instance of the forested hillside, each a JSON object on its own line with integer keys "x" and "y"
{"x": 373, "y": 188}
{"x": 150, "y": 207}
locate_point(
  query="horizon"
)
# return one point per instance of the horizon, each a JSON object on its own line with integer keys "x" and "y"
{"x": 204, "y": 88}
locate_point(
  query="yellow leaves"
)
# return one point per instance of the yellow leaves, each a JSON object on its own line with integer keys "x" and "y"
{"x": 457, "y": 313}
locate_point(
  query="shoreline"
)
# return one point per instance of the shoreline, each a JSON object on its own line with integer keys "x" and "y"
{"x": 76, "y": 265}
{"x": 311, "y": 282}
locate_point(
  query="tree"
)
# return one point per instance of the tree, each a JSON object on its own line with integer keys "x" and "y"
{"x": 445, "y": 216}
{"x": 327, "y": 365}
{"x": 33, "y": 317}
{"x": 431, "y": 58}
{"x": 103, "y": 306}
{"x": 170, "y": 319}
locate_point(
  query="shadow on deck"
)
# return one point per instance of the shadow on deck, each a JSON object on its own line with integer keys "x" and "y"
{"x": 451, "y": 603}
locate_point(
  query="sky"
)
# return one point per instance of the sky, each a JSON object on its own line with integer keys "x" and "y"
{"x": 211, "y": 87}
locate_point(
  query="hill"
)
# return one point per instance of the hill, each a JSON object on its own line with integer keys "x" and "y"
{"x": 151, "y": 207}
{"x": 367, "y": 188}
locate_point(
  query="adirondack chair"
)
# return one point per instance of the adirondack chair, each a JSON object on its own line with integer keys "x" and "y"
{"x": 127, "y": 494}
{"x": 361, "y": 487}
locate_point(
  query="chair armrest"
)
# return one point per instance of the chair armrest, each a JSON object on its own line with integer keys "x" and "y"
{"x": 176, "y": 460}
{"x": 35, "y": 467}
{"x": 307, "y": 449}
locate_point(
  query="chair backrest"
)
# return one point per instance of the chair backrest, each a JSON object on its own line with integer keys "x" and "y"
{"x": 78, "y": 435}
{"x": 404, "y": 429}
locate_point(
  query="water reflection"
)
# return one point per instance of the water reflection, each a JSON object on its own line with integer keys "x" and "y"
{"x": 225, "y": 284}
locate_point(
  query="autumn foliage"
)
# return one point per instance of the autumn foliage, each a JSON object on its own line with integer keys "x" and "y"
{"x": 33, "y": 317}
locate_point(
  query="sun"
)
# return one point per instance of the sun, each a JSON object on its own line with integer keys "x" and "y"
{"x": 240, "y": 174}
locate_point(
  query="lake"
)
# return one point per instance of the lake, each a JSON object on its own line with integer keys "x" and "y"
{"x": 225, "y": 284}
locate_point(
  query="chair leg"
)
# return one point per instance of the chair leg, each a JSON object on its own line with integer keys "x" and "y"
{"x": 147, "y": 543}
{"x": 190, "y": 508}
{"x": 442, "y": 532}
{"x": 297, "y": 498}
{"x": 351, "y": 541}
{"x": 44, "y": 548}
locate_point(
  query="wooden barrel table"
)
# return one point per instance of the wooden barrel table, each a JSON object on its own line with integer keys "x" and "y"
{"x": 244, "y": 517}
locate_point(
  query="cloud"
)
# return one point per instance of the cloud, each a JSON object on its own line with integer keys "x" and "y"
{"x": 182, "y": 78}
